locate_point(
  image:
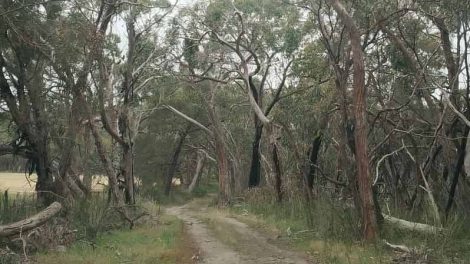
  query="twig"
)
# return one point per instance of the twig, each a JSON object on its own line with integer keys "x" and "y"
{"x": 380, "y": 161}
{"x": 427, "y": 189}
{"x": 401, "y": 248}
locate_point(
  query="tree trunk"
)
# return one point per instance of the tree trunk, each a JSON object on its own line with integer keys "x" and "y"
{"x": 67, "y": 154}
{"x": 369, "y": 222}
{"x": 277, "y": 173}
{"x": 45, "y": 185}
{"x": 201, "y": 158}
{"x": 128, "y": 173}
{"x": 467, "y": 156}
{"x": 124, "y": 121}
{"x": 174, "y": 160}
{"x": 26, "y": 108}
{"x": 312, "y": 160}
{"x": 457, "y": 170}
{"x": 255, "y": 168}
{"x": 220, "y": 149}
{"x": 108, "y": 167}
{"x": 224, "y": 172}
{"x": 223, "y": 165}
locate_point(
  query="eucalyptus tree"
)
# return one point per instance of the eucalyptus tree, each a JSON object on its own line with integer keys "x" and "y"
{"x": 428, "y": 43}
{"x": 19, "y": 63}
{"x": 36, "y": 66}
{"x": 253, "y": 44}
{"x": 123, "y": 83}
{"x": 48, "y": 51}
{"x": 451, "y": 20}
{"x": 414, "y": 57}
{"x": 265, "y": 38}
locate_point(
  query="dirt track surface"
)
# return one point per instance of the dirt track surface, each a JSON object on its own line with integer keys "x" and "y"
{"x": 249, "y": 246}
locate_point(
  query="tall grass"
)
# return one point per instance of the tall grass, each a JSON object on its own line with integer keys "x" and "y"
{"x": 16, "y": 207}
{"x": 330, "y": 229}
{"x": 92, "y": 215}
{"x": 323, "y": 217}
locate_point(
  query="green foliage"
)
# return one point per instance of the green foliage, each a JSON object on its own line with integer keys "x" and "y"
{"x": 216, "y": 12}
{"x": 190, "y": 47}
{"x": 292, "y": 40}
{"x": 162, "y": 128}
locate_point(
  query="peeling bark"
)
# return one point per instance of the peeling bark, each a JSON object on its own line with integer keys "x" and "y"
{"x": 369, "y": 222}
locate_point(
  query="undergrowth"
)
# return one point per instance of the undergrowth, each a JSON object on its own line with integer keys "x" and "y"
{"x": 178, "y": 194}
{"x": 16, "y": 207}
{"x": 329, "y": 230}
{"x": 91, "y": 231}
{"x": 147, "y": 243}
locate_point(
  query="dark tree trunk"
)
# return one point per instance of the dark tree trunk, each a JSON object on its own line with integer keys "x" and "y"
{"x": 174, "y": 160}
{"x": 45, "y": 185}
{"x": 255, "y": 169}
{"x": 457, "y": 170}
{"x": 312, "y": 160}
{"x": 277, "y": 173}
{"x": 127, "y": 172}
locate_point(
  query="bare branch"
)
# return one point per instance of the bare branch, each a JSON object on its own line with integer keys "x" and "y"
{"x": 189, "y": 119}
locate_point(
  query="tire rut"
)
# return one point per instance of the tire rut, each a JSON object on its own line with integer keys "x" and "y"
{"x": 252, "y": 247}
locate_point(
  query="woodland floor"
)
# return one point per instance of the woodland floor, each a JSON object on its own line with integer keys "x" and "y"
{"x": 223, "y": 239}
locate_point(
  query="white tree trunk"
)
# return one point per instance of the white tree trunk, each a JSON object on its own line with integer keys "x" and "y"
{"x": 200, "y": 164}
{"x": 412, "y": 226}
{"x": 467, "y": 156}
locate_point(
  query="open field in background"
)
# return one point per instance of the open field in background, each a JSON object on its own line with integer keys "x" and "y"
{"x": 16, "y": 182}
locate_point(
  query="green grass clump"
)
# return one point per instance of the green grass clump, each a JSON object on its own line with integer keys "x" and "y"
{"x": 92, "y": 215}
{"x": 16, "y": 207}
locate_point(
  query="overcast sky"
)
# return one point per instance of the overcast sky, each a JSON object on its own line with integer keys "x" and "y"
{"x": 119, "y": 26}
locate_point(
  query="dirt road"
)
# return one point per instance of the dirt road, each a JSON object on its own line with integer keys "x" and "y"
{"x": 225, "y": 240}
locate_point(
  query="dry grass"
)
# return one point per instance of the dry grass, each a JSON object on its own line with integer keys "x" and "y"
{"x": 17, "y": 182}
{"x": 22, "y": 183}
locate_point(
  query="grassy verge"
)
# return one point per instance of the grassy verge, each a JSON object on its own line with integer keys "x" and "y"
{"x": 165, "y": 242}
{"x": 329, "y": 232}
{"x": 91, "y": 232}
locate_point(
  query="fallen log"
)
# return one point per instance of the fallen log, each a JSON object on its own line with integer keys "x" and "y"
{"x": 412, "y": 226}
{"x": 31, "y": 222}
